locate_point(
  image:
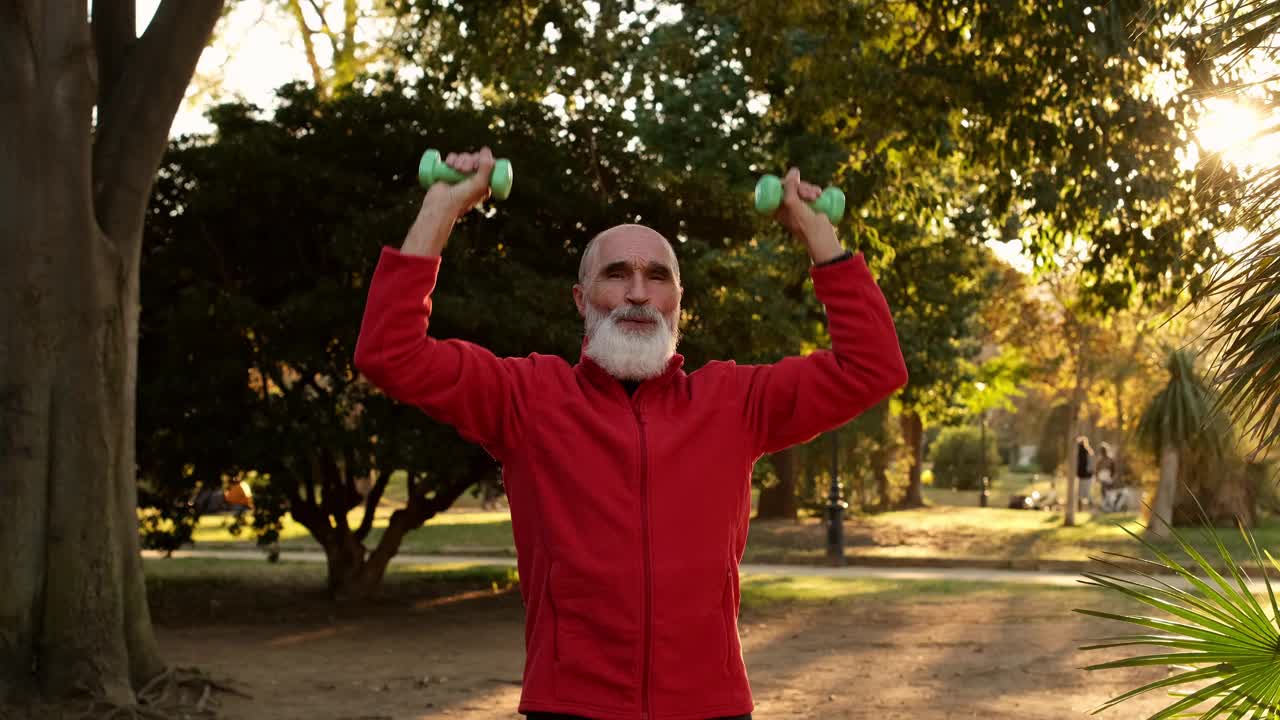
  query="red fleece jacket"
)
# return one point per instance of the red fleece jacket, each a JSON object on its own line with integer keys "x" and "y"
{"x": 630, "y": 512}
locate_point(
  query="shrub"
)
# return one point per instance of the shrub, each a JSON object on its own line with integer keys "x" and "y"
{"x": 957, "y": 459}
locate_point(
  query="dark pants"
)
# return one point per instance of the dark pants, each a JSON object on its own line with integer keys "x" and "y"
{"x": 558, "y": 716}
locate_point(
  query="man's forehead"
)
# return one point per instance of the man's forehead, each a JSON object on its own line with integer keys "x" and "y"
{"x": 634, "y": 244}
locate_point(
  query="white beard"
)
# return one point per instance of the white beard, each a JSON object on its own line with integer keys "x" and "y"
{"x": 630, "y": 354}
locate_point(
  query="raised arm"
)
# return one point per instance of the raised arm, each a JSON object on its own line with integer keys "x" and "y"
{"x": 453, "y": 381}
{"x": 796, "y": 398}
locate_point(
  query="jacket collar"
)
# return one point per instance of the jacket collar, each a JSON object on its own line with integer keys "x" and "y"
{"x": 602, "y": 379}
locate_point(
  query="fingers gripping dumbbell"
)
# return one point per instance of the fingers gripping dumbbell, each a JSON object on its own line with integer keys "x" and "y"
{"x": 769, "y": 197}
{"x": 433, "y": 169}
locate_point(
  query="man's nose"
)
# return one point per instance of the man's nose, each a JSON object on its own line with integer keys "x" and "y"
{"x": 637, "y": 290}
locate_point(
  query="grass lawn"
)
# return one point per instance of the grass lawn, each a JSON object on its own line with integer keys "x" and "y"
{"x": 193, "y": 589}
{"x": 456, "y": 531}
{"x": 951, "y": 528}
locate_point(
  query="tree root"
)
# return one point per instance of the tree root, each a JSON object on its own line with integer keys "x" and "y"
{"x": 175, "y": 694}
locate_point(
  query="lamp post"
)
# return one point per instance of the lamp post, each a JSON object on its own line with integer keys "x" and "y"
{"x": 983, "y": 483}
{"x": 982, "y": 462}
{"x": 835, "y": 507}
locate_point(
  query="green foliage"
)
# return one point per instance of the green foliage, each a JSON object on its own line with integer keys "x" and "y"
{"x": 1029, "y": 120}
{"x": 958, "y": 460}
{"x": 1048, "y": 106}
{"x": 947, "y": 123}
{"x": 1052, "y": 449}
{"x": 261, "y": 241}
{"x": 162, "y": 524}
{"x": 1217, "y": 640}
{"x": 260, "y": 246}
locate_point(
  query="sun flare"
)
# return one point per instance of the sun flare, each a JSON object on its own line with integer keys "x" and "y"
{"x": 1241, "y": 132}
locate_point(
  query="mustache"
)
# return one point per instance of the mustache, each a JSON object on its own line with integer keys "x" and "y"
{"x": 635, "y": 312}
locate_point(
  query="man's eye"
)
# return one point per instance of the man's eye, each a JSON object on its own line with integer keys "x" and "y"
{"x": 615, "y": 274}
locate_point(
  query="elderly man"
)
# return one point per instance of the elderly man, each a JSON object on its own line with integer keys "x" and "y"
{"x": 629, "y": 481}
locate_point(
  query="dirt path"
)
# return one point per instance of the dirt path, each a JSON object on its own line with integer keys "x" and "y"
{"x": 985, "y": 655}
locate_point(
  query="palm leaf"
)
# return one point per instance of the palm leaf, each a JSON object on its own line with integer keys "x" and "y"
{"x": 1246, "y": 289}
{"x": 1184, "y": 413}
{"x": 1225, "y": 643}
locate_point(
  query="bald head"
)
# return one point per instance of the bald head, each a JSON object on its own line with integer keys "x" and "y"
{"x": 628, "y": 294}
{"x": 624, "y": 242}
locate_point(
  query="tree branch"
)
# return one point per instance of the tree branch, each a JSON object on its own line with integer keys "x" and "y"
{"x": 311, "y": 479}
{"x": 371, "y": 503}
{"x": 319, "y": 9}
{"x": 344, "y": 58}
{"x": 307, "y": 515}
{"x": 308, "y": 47}
{"x": 114, "y": 32}
{"x": 424, "y": 509}
{"x": 420, "y": 509}
{"x": 134, "y": 122}
{"x": 335, "y": 491}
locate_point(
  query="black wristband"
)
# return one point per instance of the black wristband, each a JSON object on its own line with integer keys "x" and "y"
{"x": 846, "y": 255}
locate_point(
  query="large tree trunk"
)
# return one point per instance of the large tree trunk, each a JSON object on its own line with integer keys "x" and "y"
{"x": 1162, "y": 505}
{"x": 913, "y": 436}
{"x": 779, "y": 501}
{"x": 74, "y": 620}
{"x": 880, "y": 470}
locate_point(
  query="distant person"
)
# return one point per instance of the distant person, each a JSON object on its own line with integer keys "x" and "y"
{"x": 239, "y": 496}
{"x": 628, "y": 480}
{"x": 1108, "y": 481}
{"x": 1084, "y": 470}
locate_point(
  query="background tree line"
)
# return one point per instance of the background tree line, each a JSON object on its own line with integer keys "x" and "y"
{"x": 949, "y": 124}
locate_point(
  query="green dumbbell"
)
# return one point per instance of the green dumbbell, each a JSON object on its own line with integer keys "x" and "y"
{"x": 769, "y": 197}
{"x": 432, "y": 169}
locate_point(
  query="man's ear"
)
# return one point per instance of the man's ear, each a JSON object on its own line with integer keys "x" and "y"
{"x": 580, "y": 299}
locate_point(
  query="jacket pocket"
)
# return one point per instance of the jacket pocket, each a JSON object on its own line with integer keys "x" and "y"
{"x": 594, "y": 642}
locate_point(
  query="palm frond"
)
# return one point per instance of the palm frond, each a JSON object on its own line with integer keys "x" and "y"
{"x": 1185, "y": 412}
{"x": 1247, "y": 286}
{"x": 1223, "y": 642}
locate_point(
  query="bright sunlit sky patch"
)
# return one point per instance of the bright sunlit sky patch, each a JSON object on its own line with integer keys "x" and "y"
{"x": 1238, "y": 130}
{"x": 1012, "y": 254}
{"x": 257, "y": 50}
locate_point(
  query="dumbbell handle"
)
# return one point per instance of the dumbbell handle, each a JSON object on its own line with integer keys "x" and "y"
{"x": 433, "y": 169}
{"x": 769, "y": 197}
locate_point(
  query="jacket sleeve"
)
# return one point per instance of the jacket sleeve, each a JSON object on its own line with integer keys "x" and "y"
{"x": 796, "y": 398}
{"x": 453, "y": 381}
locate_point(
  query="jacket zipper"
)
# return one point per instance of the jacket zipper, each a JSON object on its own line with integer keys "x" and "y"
{"x": 645, "y": 704}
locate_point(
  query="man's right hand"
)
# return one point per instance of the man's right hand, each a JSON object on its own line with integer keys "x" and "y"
{"x": 445, "y": 203}
{"x": 456, "y": 200}
{"x": 806, "y": 224}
